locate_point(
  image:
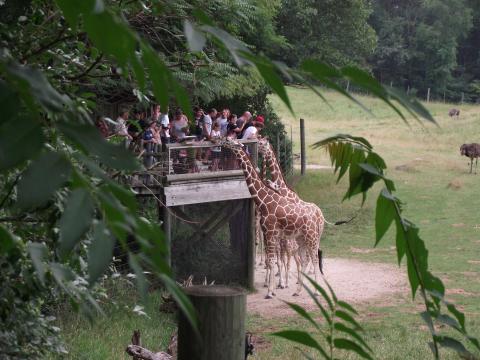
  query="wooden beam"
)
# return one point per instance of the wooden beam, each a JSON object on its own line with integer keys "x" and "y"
{"x": 220, "y": 175}
{"x": 185, "y": 194}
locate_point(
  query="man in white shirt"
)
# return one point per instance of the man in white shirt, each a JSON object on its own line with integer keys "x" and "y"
{"x": 223, "y": 122}
{"x": 207, "y": 123}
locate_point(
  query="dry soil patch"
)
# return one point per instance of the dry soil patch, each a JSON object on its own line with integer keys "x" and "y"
{"x": 352, "y": 280}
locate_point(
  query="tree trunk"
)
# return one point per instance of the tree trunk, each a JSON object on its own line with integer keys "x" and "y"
{"x": 221, "y": 317}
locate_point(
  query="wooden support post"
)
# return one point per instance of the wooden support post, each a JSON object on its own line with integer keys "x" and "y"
{"x": 463, "y": 97}
{"x": 444, "y": 97}
{"x": 348, "y": 86}
{"x": 221, "y": 318}
{"x": 428, "y": 95}
{"x": 302, "y": 148}
{"x": 167, "y": 229}
{"x": 251, "y": 249}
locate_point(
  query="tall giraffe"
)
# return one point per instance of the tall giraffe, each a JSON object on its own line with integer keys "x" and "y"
{"x": 270, "y": 158}
{"x": 279, "y": 217}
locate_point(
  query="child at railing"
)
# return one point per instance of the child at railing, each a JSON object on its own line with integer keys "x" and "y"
{"x": 216, "y": 150}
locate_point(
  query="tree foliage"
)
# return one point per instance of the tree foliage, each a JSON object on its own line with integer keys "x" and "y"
{"x": 427, "y": 44}
{"x": 335, "y": 32}
{"x": 61, "y": 207}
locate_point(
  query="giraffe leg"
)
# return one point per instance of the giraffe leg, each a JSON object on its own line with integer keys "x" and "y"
{"x": 287, "y": 268}
{"x": 281, "y": 263}
{"x": 313, "y": 252}
{"x": 270, "y": 252}
{"x": 298, "y": 261}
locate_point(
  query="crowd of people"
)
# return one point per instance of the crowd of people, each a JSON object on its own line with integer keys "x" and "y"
{"x": 151, "y": 132}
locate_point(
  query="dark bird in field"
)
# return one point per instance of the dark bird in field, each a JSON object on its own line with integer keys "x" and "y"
{"x": 454, "y": 113}
{"x": 471, "y": 151}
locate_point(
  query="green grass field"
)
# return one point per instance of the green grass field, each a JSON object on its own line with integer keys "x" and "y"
{"x": 439, "y": 195}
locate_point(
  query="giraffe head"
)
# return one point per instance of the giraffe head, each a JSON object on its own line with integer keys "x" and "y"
{"x": 264, "y": 146}
{"x": 228, "y": 143}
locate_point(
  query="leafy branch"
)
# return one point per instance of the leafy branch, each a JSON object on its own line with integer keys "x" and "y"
{"x": 365, "y": 168}
{"x": 342, "y": 330}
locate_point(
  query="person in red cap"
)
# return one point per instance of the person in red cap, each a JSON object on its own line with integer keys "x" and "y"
{"x": 251, "y": 132}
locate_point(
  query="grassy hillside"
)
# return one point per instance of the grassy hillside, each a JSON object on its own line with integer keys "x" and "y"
{"x": 439, "y": 195}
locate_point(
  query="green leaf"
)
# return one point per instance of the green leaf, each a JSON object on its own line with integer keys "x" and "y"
{"x": 75, "y": 220}
{"x": 348, "y": 318}
{"x": 410, "y": 103}
{"x": 417, "y": 256}
{"x": 126, "y": 196}
{"x": 319, "y": 305}
{"x": 36, "y": 86}
{"x": 140, "y": 278}
{"x": 63, "y": 275}
{"x": 158, "y": 74}
{"x": 14, "y": 135}
{"x": 346, "y": 344}
{"x": 400, "y": 239}
{"x": 89, "y": 138}
{"x": 195, "y": 38}
{"x": 345, "y": 329}
{"x": 303, "y": 313}
{"x": 454, "y": 344}
{"x": 327, "y": 75}
{"x": 269, "y": 73}
{"x": 321, "y": 291}
{"x": 38, "y": 253}
{"x": 385, "y": 214}
{"x": 300, "y": 337}
{"x": 100, "y": 252}
{"x": 7, "y": 241}
{"x": 448, "y": 320}
{"x": 42, "y": 178}
{"x": 9, "y": 103}
{"x": 181, "y": 299}
{"x": 346, "y": 306}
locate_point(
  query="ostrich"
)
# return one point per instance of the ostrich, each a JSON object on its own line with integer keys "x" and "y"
{"x": 473, "y": 152}
{"x": 454, "y": 113}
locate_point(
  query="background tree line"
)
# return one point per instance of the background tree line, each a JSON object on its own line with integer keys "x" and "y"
{"x": 413, "y": 44}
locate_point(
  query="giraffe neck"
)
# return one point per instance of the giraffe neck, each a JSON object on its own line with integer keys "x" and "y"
{"x": 276, "y": 173}
{"x": 254, "y": 182}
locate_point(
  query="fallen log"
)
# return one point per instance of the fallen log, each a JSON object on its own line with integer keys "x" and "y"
{"x": 145, "y": 354}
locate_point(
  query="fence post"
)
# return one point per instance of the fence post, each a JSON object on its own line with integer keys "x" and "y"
{"x": 428, "y": 95}
{"x": 303, "y": 159}
{"x": 285, "y": 155}
{"x": 348, "y": 85}
{"x": 408, "y": 90}
{"x": 444, "y": 97}
{"x": 391, "y": 83}
{"x": 221, "y": 328}
{"x": 463, "y": 97}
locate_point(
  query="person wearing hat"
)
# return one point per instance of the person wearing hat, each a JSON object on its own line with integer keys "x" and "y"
{"x": 251, "y": 132}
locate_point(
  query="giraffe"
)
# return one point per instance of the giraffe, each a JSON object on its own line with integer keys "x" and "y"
{"x": 279, "y": 217}
{"x": 269, "y": 157}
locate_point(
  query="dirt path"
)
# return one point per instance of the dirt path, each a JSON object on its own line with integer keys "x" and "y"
{"x": 353, "y": 281}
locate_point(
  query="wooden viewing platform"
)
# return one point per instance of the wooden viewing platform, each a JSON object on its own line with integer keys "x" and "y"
{"x": 181, "y": 181}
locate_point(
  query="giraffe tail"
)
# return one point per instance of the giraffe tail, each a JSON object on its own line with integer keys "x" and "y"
{"x": 341, "y": 222}
{"x": 320, "y": 261}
